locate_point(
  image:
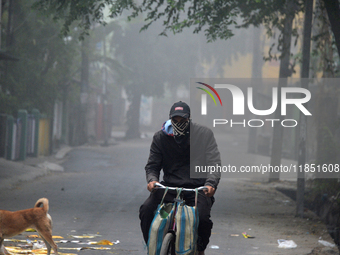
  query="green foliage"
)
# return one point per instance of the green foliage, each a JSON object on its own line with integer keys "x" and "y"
{"x": 216, "y": 18}
{"x": 46, "y": 65}
{"x": 328, "y": 147}
{"x": 325, "y": 57}
{"x": 9, "y": 104}
{"x": 85, "y": 12}
{"x": 324, "y": 186}
{"x": 104, "y": 67}
{"x": 328, "y": 151}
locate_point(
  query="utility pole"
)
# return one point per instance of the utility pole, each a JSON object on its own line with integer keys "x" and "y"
{"x": 307, "y": 31}
{"x": 82, "y": 135}
{"x": 285, "y": 72}
{"x": 256, "y": 73}
{"x": 0, "y": 22}
{"x": 104, "y": 92}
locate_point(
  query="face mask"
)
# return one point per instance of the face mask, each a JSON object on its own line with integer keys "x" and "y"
{"x": 180, "y": 128}
{"x": 181, "y": 132}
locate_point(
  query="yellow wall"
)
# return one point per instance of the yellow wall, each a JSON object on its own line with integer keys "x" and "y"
{"x": 242, "y": 68}
{"x": 44, "y": 141}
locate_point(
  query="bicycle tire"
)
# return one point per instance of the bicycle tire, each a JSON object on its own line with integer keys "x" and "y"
{"x": 168, "y": 245}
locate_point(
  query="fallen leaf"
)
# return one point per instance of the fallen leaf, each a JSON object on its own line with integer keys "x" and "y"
{"x": 40, "y": 251}
{"x": 69, "y": 248}
{"x": 33, "y": 236}
{"x": 17, "y": 250}
{"x": 83, "y": 237}
{"x": 31, "y": 230}
{"x": 15, "y": 240}
{"x": 95, "y": 248}
{"x": 104, "y": 242}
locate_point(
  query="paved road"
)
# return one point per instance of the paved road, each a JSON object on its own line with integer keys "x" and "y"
{"x": 101, "y": 190}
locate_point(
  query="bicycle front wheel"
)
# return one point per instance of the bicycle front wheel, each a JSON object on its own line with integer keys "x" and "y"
{"x": 168, "y": 245}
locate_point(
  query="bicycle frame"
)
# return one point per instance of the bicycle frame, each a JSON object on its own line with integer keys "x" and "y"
{"x": 161, "y": 186}
{"x": 169, "y": 240}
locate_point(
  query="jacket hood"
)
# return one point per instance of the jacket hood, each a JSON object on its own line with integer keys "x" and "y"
{"x": 167, "y": 128}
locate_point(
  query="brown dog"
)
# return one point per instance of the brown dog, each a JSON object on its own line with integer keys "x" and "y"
{"x": 13, "y": 223}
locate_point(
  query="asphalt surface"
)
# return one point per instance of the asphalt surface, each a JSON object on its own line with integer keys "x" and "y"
{"x": 100, "y": 189}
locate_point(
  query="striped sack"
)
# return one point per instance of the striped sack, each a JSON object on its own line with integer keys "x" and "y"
{"x": 186, "y": 228}
{"x": 159, "y": 226}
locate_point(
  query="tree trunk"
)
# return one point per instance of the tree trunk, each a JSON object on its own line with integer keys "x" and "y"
{"x": 82, "y": 128}
{"x": 333, "y": 12}
{"x": 285, "y": 72}
{"x": 327, "y": 104}
{"x": 9, "y": 42}
{"x": 133, "y": 115}
{"x": 326, "y": 152}
{"x": 307, "y": 31}
{"x": 256, "y": 72}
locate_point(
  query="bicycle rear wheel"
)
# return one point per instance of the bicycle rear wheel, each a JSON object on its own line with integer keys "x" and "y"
{"x": 168, "y": 245}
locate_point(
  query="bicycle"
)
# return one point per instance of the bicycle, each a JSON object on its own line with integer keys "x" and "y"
{"x": 169, "y": 240}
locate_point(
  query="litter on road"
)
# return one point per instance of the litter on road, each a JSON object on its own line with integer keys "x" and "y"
{"x": 38, "y": 247}
{"x": 327, "y": 244}
{"x": 286, "y": 244}
{"x": 246, "y": 235}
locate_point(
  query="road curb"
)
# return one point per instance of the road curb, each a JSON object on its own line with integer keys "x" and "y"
{"x": 63, "y": 152}
{"x": 51, "y": 166}
{"x": 13, "y": 173}
{"x": 18, "y": 172}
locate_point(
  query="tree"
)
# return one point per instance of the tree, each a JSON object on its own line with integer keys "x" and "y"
{"x": 217, "y": 18}
{"x": 284, "y": 73}
{"x": 46, "y": 61}
{"x": 307, "y": 31}
{"x": 152, "y": 62}
{"x": 333, "y": 12}
{"x": 327, "y": 64}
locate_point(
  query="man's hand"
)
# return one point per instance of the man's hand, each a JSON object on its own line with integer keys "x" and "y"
{"x": 210, "y": 191}
{"x": 151, "y": 185}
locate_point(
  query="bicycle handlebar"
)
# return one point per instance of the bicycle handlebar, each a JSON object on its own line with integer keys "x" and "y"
{"x": 183, "y": 189}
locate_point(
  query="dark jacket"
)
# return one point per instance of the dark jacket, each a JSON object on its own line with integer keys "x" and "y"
{"x": 174, "y": 159}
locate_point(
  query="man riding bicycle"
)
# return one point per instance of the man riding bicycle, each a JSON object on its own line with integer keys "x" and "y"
{"x": 170, "y": 151}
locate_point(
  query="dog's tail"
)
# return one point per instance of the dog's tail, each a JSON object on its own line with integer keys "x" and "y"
{"x": 44, "y": 202}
